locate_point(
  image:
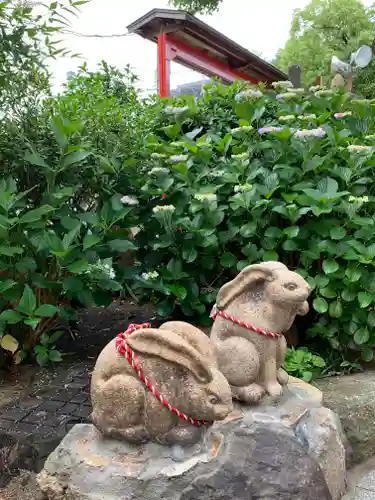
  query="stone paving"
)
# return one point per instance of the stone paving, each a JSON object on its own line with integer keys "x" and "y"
{"x": 364, "y": 489}
{"x": 30, "y": 429}
{"x": 361, "y": 481}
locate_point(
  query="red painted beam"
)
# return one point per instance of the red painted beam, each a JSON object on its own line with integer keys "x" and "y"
{"x": 164, "y": 69}
{"x": 195, "y": 57}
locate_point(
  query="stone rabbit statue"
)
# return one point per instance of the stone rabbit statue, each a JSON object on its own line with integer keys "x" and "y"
{"x": 266, "y": 297}
{"x": 180, "y": 361}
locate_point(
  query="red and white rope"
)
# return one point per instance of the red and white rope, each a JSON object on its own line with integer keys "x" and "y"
{"x": 125, "y": 350}
{"x": 218, "y": 312}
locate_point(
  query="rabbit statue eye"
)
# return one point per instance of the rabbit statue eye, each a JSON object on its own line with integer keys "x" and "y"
{"x": 291, "y": 286}
{"x": 212, "y": 399}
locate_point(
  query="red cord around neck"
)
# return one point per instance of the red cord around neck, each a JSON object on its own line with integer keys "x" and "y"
{"x": 218, "y": 312}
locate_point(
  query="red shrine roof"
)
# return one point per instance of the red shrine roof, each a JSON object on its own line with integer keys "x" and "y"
{"x": 199, "y": 35}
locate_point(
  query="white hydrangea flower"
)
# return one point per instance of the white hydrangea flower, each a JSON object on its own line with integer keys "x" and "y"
{"x": 245, "y": 128}
{"x": 343, "y": 114}
{"x": 150, "y": 276}
{"x": 370, "y": 137}
{"x": 164, "y": 208}
{"x": 240, "y": 156}
{"x": 99, "y": 269}
{"x": 311, "y": 116}
{"x": 249, "y": 94}
{"x": 158, "y": 170}
{"x": 315, "y": 132}
{"x": 218, "y": 173}
{"x": 205, "y": 197}
{"x": 296, "y": 90}
{"x": 286, "y": 96}
{"x": 361, "y": 101}
{"x": 285, "y": 84}
{"x": 178, "y": 158}
{"x": 355, "y": 148}
{"x": 315, "y": 88}
{"x": 111, "y": 272}
{"x": 129, "y": 200}
{"x": 324, "y": 93}
{"x": 175, "y": 111}
{"x": 287, "y": 118}
{"x": 158, "y": 156}
{"x": 358, "y": 199}
{"x": 243, "y": 188}
{"x": 269, "y": 130}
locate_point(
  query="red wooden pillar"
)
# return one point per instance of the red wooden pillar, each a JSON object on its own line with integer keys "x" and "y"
{"x": 164, "y": 66}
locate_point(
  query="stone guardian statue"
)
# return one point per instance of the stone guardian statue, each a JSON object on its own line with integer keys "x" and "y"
{"x": 251, "y": 314}
{"x": 159, "y": 385}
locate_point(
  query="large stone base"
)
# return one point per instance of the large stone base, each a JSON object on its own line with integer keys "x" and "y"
{"x": 352, "y": 397}
{"x": 289, "y": 450}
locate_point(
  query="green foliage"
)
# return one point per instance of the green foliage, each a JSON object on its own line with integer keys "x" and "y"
{"x": 322, "y": 29}
{"x": 98, "y": 112}
{"x": 219, "y": 194}
{"x": 104, "y": 106}
{"x": 46, "y": 352}
{"x": 303, "y": 364}
{"x": 54, "y": 255}
{"x": 364, "y": 81}
{"x": 63, "y": 223}
{"x": 26, "y": 41}
{"x": 197, "y": 6}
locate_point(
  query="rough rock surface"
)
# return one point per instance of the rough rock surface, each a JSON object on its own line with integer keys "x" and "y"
{"x": 276, "y": 451}
{"x": 352, "y": 397}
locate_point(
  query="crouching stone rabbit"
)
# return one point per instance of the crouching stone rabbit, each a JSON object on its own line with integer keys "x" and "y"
{"x": 179, "y": 360}
{"x": 251, "y": 314}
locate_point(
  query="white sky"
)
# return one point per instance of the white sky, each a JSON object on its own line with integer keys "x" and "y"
{"x": 260, "y": 26}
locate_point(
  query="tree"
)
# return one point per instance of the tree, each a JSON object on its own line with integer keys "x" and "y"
{"x": 322, "y": 29}
{"x": 197, "y": 6}
{"x": 28, "y": 38}
{"x": 364, "y": 81}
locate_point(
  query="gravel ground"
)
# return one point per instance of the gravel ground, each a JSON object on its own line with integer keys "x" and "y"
{"x": 16, "y": 385}
{"x": 22, "y": 487}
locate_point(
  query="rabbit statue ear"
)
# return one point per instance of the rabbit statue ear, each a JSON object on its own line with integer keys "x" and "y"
{"x": 170, "y": 346}
{"x": 195, "y": 337}
{"x": 245, "y": 280}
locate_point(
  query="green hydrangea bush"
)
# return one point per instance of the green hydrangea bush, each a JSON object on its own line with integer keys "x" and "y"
{"x": 57, "y": 251}
{"x": 243, "y": 175}
{"x": 66, "y": 208}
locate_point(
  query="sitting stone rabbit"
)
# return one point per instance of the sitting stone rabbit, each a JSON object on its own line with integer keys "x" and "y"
{"x": 179, "y": 360}
{"x": 267, "y": 297}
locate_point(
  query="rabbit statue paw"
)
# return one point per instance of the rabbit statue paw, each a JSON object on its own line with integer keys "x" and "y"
{"x": 168, "y": 392}
{"x": 250, "y": 316}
